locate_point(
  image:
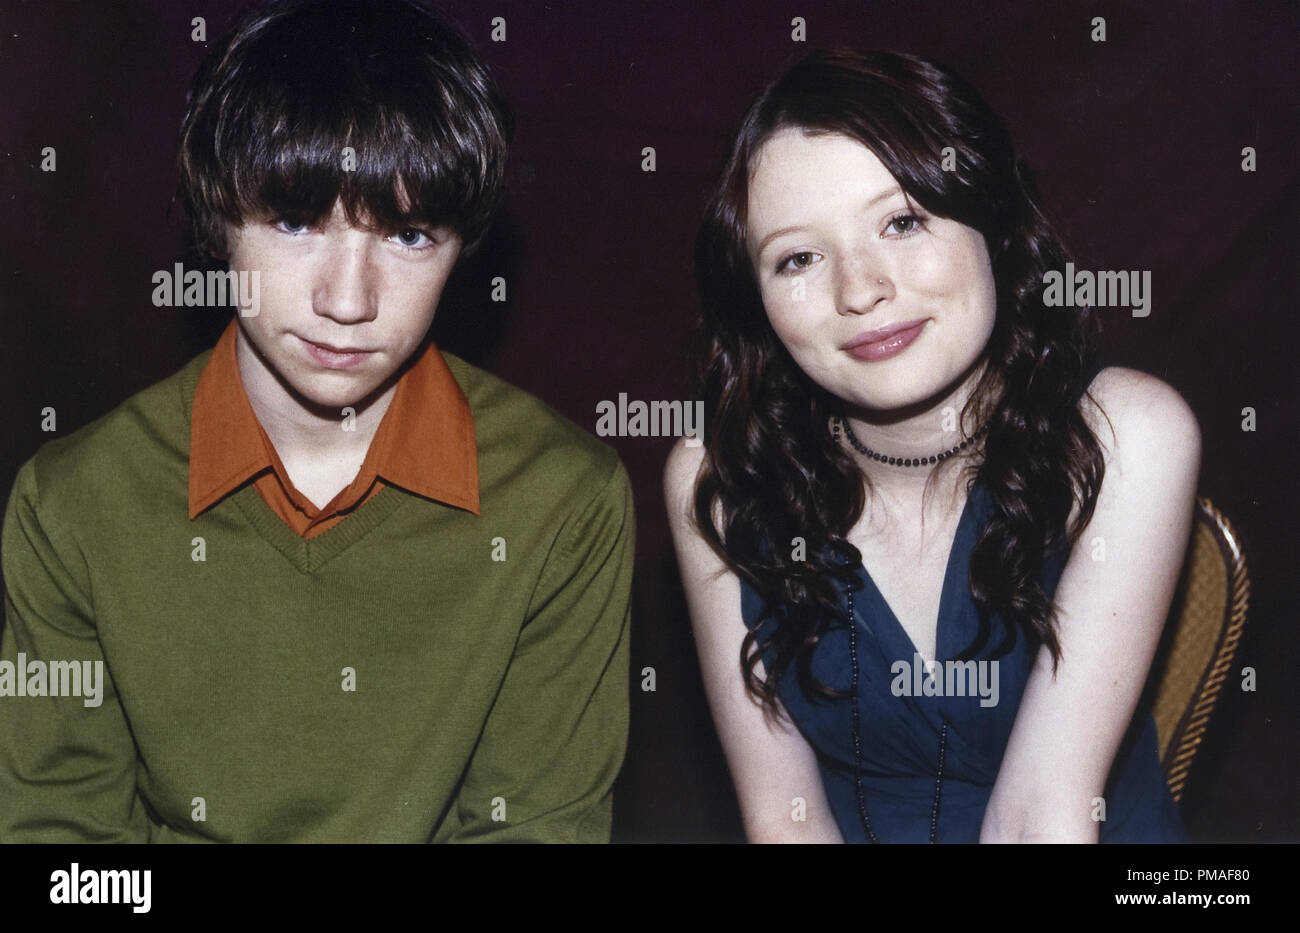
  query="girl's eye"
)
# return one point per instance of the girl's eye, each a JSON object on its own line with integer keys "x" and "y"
{"x": 904, "y": 224}
{"x": 413, "y": 239}
{"x": 796, "y": 262}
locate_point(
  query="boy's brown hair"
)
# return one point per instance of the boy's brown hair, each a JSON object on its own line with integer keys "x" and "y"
{"x": 378, "y": 103}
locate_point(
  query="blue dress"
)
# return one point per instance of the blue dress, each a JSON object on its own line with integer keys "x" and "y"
{"x": 903, "y": 737}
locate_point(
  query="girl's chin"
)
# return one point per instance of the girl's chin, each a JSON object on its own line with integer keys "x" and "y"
{"x": 891, "y": 398}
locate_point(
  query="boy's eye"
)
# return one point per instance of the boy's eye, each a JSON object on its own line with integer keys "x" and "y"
{"x": 413, "y": 239}
{"x": 291, "y": 225}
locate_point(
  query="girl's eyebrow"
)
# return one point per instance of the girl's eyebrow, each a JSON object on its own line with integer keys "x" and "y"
{"x": 776, "y": 233}
{"x": 882, "y": 196}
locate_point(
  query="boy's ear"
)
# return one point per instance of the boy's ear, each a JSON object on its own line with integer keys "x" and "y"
{"x": 220, "y": 245}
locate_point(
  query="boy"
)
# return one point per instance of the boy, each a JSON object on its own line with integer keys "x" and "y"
{"x": 326, "y": 583}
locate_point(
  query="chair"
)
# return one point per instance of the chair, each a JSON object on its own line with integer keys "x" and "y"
{"x": 1200, "y": 641}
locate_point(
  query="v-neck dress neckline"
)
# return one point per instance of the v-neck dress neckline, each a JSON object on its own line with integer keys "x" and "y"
{"x": 955, "y": 584}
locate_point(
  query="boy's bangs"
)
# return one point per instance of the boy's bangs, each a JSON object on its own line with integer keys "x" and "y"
{"x": 378, "y": 106}
{"x": 386, "y": 175}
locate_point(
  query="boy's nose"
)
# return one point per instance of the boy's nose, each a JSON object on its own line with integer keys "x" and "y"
{"x": 346, "y": 277}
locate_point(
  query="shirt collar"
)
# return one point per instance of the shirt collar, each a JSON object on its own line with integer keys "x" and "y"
{"x": 424, "y": 444}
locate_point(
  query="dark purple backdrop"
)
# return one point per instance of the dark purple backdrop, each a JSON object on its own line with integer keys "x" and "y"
{"x": 1137, "y": 143}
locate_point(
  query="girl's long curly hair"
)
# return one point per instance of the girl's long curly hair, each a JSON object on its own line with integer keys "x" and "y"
{"x": 771, "y": 469}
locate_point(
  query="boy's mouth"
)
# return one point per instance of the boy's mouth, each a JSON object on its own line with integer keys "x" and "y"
{"x": 335, "y": 357}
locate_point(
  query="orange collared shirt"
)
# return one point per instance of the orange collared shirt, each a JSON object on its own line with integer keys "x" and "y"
{"x": 424, "y": 444}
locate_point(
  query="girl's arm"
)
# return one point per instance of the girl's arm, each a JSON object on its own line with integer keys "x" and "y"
{"x": 1111, "y": 613}
{"x": 771, "y": 764}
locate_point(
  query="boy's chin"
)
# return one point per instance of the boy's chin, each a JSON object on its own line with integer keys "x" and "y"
{"x": 333, "y": 393}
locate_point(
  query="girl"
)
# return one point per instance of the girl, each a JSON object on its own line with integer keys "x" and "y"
{"x": 929, "y": 543}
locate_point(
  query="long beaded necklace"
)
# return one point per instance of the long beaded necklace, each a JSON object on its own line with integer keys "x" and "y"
{"x": 857, "y": 742}
{"x": 861, "y": 448}
{"x": 836, "y": 424}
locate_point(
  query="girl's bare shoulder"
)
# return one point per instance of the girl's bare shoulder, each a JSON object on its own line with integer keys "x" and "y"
{"x": 1141, "y": 420}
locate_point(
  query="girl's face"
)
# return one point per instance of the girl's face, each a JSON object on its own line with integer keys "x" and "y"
{"x": 880, "y": 303}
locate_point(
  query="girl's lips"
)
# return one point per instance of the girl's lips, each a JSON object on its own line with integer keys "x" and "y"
{"x": 894, "y": 341}
{"x": 335, "y": 359}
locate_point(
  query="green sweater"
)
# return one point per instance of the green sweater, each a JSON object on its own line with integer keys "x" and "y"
{"x": 392, "y": 680}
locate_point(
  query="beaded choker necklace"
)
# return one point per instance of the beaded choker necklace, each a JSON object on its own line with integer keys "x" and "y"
{"x": 837, "y": 422}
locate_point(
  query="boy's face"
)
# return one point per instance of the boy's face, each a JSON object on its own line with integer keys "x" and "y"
{"x": 340, "y": 308}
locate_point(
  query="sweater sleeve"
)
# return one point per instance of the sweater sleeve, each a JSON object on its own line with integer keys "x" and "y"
{"x": 544, "y": 767}
{"x": 67, "y": 763}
